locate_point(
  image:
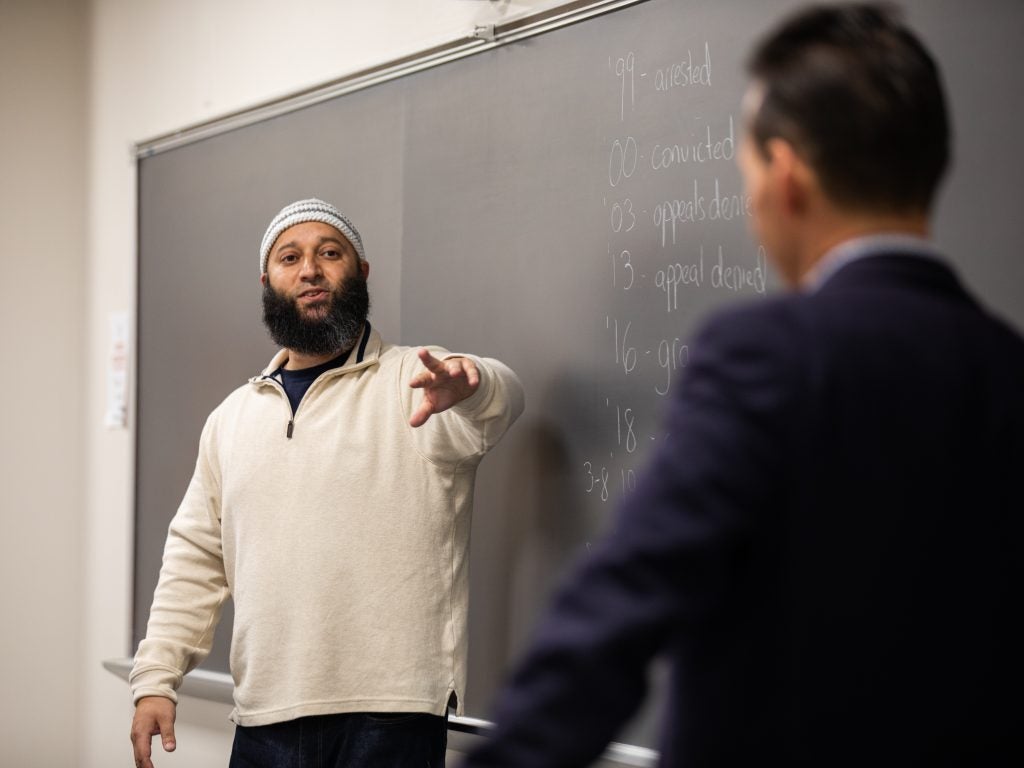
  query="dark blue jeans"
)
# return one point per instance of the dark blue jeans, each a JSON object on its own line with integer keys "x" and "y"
{"x": 351, "y": 740}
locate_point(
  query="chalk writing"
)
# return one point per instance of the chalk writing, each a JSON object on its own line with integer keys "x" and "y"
{"x": 687, "y": 72}
{"x": 672, "y": 357}
{"x": 737, "y": 277}
{"x": 664, "y": 156}
{"x": 598, "y": 482}
{"x": 623, "y": 216}
{"x": 717, "y": 274}
{"x": 623, "y": 262}
{"x": 625, "y": 68}
{"x": 625, "y": 355}
{"x": 622, "y": 160}
{"x": 703, "y": 205}
{"x": 625, "y": 418}
{"x": 671, "y": 203}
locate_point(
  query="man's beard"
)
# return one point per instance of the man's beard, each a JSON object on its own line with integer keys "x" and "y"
{"x": 320, "y": 333}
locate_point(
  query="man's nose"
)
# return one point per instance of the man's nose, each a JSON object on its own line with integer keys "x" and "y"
{"x": 309, "y": 267}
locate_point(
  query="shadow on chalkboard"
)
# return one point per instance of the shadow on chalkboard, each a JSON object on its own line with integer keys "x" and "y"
{"x": 533, "y": 523}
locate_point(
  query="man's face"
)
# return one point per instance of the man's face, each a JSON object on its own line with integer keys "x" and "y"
{"x": 308, "y": 262}
{"x": 315, "y": 299}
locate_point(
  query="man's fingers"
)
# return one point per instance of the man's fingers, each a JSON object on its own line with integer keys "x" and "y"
{"x": 431, "y": 362}
{"x": 424, "y": 412}
{"x": 423, "y": 379}
{"x": 142, "y": 747}
{"x": 141, "y": 735}
{"x": 142, "y": 761}
{"x": 166, "y": 725}
{"x": 437, "y": 371}
{"x": 470, "y": 369}
{"x": 452, "y": 367}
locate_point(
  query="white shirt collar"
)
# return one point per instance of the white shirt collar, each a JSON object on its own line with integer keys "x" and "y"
{"x": 864, "y": 247}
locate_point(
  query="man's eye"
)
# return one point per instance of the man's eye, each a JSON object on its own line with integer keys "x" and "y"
{"x": 332, "y": 254}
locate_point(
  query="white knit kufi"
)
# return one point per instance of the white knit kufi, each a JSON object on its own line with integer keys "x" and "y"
{"x": 308, "y": 210}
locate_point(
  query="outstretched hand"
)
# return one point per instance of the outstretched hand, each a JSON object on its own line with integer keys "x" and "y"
{"x": 444, "y": 383}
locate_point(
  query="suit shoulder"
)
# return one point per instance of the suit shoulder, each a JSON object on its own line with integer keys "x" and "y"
{"x": 1005, "y": 335}
{"x": 774, "y": 320}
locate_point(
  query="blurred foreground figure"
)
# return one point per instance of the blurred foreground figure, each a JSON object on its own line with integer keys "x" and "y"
{"x": 828, "y": 549}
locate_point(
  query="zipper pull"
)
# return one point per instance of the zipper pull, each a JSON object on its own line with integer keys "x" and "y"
{"x": 291, "y": 427}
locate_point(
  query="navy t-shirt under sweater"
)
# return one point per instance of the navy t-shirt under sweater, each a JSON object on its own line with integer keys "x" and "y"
{"x": 296, "y": 383}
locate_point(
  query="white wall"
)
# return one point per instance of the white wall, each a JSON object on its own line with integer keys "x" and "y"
{"x": 43, "y": 108}
{"x": 156, "y": 66}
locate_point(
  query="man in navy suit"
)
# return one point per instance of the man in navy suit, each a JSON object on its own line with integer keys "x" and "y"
{"x": 829, "y": 550}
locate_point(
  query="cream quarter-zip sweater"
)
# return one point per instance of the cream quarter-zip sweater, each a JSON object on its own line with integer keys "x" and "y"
{"x": 341, "y": 534}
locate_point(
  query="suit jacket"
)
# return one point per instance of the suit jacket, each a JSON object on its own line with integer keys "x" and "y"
{"x": 827, "y": 549}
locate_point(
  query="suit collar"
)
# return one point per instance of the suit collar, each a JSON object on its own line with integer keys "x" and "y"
{"x": 860, "y": 248}
{"x": 895, "y": 270}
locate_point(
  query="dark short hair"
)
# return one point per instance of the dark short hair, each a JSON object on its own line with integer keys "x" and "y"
{"x": 861, "y": 100}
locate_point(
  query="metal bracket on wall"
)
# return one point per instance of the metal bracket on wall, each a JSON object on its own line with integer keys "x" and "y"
{"x": 485, "y": 32}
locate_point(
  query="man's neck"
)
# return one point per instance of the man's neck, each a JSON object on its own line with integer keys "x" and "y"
{"x": 299, "y": 360}
{"x": 840, "y": 229}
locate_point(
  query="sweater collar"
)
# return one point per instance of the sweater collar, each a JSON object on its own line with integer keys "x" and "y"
{"x": 365, "y": 354}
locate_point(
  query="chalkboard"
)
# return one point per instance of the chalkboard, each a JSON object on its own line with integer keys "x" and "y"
{"x": 567, "y": 203}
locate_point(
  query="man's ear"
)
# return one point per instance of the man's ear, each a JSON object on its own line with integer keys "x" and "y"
{"x": 792, "y": 176}
{"x": 364, "y": 267}
{"x": 263, "y": 279}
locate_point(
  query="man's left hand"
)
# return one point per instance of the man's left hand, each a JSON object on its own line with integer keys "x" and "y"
{"x": 444, "y": 383}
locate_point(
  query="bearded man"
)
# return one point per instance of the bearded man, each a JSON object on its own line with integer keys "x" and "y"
{"x": 331, "y": 501}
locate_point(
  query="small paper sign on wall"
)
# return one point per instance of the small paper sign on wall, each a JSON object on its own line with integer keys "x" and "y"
{"x": 117, "y": 371}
